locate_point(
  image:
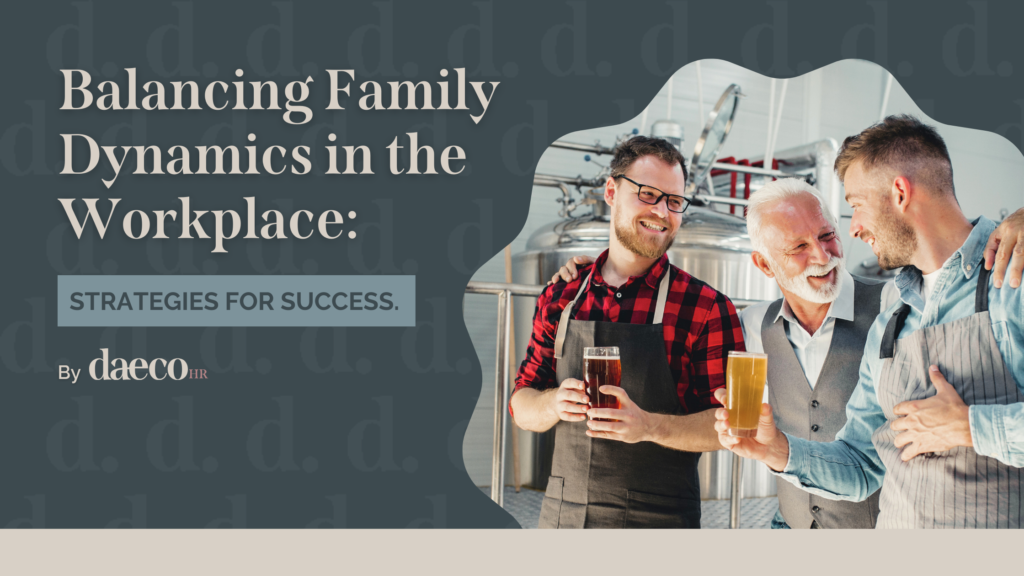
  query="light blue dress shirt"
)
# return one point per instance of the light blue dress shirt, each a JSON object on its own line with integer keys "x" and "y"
{"x": 849, "y": 468}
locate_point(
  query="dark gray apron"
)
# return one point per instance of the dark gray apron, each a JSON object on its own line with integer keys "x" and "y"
{"x": 599, "y": 483}
{"x": 957, "y": 488}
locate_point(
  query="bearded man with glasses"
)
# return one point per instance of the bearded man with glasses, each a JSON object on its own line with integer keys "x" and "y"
{"x": 637, "y": 466}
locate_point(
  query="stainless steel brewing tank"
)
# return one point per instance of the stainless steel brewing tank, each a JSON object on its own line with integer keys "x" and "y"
{"x": 712, "y": 246}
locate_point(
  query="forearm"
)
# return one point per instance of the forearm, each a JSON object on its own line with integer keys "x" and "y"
{"x": 690, "y": 432}
{"x": 532, "y": 409}
{"x": 997, "y": 431}
{"x": 835, "y": 470}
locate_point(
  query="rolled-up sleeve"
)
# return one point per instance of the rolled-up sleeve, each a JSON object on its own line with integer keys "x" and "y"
{"x": 997, "y": 431}
{"x": 538, "y": 368}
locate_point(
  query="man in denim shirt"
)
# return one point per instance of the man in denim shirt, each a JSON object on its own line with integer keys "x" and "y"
{"x": 937, "y": 419}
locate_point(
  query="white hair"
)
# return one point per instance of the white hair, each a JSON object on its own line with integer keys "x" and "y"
{"x": 769, "y": 196}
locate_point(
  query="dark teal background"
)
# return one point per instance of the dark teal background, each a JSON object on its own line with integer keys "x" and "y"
{"x": 358, "y": 427}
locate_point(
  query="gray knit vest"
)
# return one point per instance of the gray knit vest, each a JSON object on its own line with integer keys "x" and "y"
{"x": 819, "y": 413}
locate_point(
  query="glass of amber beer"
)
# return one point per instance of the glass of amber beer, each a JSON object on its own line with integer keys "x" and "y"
{"x": 745, "y": 374}
{"x": 601, "y": 368}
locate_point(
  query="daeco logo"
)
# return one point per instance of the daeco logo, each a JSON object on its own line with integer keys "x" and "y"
{"x": 137, "y": 368}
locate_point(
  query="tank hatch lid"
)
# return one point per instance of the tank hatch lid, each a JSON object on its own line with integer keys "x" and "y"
{"x": 717, "y": 128}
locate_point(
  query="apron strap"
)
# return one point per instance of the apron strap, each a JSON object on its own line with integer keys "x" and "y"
{"x": 659, "y": 308}
{"x": 892, "y": 329}
{"x": 892, "y": 332}
{"x": 563, "y": 320}
{"x": 981, "y": 294}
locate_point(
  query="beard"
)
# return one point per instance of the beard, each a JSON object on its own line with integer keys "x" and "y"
{"x": 639, "y": 243}
{"x": 800, "y": 286}
{"x": 895, "y": 239}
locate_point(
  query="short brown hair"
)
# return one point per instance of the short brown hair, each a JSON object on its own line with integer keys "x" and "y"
{"x": 903, "y": 143}
{"x": 639, "y": 146}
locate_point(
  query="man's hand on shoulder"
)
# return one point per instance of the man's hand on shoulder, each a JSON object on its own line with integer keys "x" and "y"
{"x": 569, "y": 272}
{"x": 1004, "y": 253}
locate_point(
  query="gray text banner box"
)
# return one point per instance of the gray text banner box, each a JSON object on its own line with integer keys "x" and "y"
{"x": 273, "y": 301}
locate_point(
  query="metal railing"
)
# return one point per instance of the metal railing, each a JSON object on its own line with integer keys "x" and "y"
{"x": 750, "y": 170}
{"x": 505, "y": 292}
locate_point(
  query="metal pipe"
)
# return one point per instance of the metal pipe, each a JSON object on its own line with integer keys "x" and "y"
{"x": 513, "y": 429}
{"x": 500, "y": 394}
{"x": 775, "y": 126}
{"x": 751, "y": 170}
{"x": 741, "y": 304}
{"x": 497, "y": 288}
{"x": 700, "y": 97}
{"x": 668, "y": 105}
{"x": 737, "y": 489}
{"x": 720, "y": 199}
{"x": 555, "y": 180}
{"x": 771, "y": 117}
{"x": 541, "y": 181}
{"x": 885, "y": 96}
{"x": 565, "y": 192}
{"x": 592, "y": 148}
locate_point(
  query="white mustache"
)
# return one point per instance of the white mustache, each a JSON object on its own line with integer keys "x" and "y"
{"x": 821, "y": 269}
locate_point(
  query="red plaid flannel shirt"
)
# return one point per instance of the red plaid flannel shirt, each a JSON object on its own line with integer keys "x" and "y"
{"x": 700, "y": 323}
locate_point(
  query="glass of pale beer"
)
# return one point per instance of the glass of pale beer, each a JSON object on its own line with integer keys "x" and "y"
{"x": 601, "y": 367}
{"x": 745, "y": 374}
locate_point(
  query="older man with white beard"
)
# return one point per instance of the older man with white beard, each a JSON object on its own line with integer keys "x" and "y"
{"x": 814, "y": 335}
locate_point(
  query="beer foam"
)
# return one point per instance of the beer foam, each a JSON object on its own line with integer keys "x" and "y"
{"x": 586, "y": 357}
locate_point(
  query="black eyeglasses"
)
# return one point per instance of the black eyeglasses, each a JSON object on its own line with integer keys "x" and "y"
{"x": 651, "y": 195}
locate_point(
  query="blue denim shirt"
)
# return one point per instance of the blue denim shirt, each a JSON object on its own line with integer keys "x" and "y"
{"x": 849, "y": 468}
